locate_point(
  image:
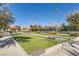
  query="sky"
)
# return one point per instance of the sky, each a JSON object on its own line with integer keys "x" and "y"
{"x": 41, "y": 13}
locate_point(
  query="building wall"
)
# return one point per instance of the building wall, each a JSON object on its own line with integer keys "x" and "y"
{"x": 25, "y": 28}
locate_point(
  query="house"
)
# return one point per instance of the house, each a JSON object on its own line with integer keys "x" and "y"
{"x": 14, "y": 28}
{"x": 25, "y": 28}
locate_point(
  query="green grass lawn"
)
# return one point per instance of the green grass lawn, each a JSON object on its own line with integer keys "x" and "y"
{"x": 66, "y": 37}
{"x": 45, "y": 34}
{"x": 33, "y": 43}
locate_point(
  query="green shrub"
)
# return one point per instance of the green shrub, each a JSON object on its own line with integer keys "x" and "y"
{"x": 1, "y": 35}
{"x": 76, "y": 34}
{"x": 53, "y": 33}
{"x": 21, "y": 38}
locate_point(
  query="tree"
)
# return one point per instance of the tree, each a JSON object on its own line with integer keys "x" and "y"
{"x": 64, "y": 27}
{"x": 19, "y": 28}
{"x": 73, "y": 21}
{"x": 6, "y": 18}
{"x": 34, "y": 27}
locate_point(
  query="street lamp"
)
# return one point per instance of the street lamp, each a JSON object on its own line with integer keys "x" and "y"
{"x": 56, "y": 10}
{"x": 39, "y": 23}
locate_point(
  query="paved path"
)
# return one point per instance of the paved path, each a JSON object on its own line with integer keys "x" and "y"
{"x": 9, "y": 47}
{"x": 66, "y": 50}
{"x": 39, "y": 35}
{"x": 59, "y": 50}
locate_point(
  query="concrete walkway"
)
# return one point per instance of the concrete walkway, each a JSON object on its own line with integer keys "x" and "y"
{"x": 60, "y": 50}
{"x": 66, "y": 50}
{"x": 9, "y": 47}
{"x": 39, "y": 35}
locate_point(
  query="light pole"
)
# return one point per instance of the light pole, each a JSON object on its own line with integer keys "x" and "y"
{"x": 56, "y": 10}
{"x": 38, "y": 24}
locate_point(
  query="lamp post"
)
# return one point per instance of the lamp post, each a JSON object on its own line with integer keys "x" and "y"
{"x": 36, "y": 18}
{"x": 56, "y": 10}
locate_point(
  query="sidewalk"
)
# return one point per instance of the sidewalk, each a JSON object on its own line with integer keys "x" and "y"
{"x": 60, "y": 50}
{"x": 11, "y": 49}
{"x": 40, "y": 35}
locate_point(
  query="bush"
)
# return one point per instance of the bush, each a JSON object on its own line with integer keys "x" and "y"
{"x": 1, "y": 35}
{"x": 53, "y": 33}
{"x": 76, "y": 34}
{"x": 21, "y": 38}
